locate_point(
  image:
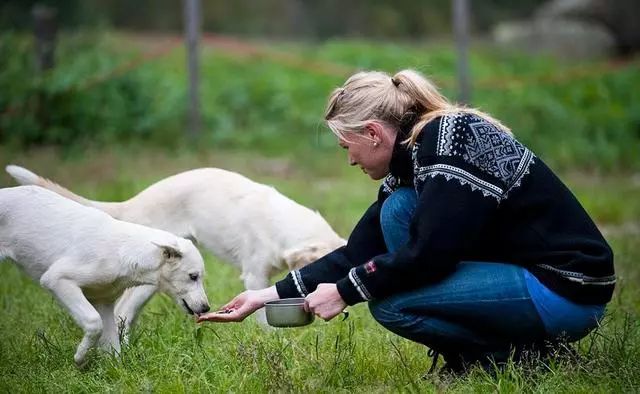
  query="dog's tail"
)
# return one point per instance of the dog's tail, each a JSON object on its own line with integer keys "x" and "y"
{"x": 26, "y": 177}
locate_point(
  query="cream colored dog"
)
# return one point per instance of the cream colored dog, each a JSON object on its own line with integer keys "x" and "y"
{"x": 248, "y": 224}
{"x": 87, "y": 259}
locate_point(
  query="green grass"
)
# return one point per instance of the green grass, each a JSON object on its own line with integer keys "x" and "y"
{"x": 170, "y": 353}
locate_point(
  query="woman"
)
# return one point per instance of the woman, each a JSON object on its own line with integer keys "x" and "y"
{"x": 473, "y": 247}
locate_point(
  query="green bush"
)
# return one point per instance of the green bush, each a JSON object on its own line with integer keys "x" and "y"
{"x": 80, "y": 100}
{"x": 275, "y": 105}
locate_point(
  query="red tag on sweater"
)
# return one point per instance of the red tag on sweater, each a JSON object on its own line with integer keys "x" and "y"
{"x": 370, "y": 267}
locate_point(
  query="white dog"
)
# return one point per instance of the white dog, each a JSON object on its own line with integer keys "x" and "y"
{"x": 248, "y": 224}
{"x": 87, "y": 259}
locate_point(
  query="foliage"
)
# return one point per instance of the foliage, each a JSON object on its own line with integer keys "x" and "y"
{"x": 407, "y": 19}
{"x": 71, "y": 104}
{"x": 272, "y": 98}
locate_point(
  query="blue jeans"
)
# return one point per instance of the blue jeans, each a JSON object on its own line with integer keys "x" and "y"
{"x": 481, "y": 310}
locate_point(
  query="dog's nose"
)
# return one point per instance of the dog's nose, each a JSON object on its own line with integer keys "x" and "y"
{"x": 205, "y": 308}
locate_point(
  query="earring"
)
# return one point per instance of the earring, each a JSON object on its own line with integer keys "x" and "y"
{"x": 375, "y": 143}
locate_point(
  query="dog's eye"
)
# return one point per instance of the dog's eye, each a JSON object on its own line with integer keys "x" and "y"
{"x": 193, "y": 277}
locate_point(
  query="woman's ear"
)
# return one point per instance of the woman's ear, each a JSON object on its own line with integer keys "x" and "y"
{"x": 375, "y": 132}
{"x": 379, "y": 133}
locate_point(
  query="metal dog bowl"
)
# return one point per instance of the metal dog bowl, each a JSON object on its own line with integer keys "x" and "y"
{"x": 287, "y": 312}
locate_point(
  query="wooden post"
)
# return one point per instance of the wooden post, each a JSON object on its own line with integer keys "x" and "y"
{"x": 192, "y": 21}
{"x": 461, "y": 32}
{"x": 45, "y": 28}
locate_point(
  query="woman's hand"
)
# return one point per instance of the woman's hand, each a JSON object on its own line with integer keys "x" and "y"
{"x": 241, "y": 306}
{"x": 326, "y": 302}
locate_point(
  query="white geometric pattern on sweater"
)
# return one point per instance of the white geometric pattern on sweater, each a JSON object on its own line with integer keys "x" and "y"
{"x": 390, "y": 184}
{"x": 493, "y": 151}
{"x": 483, "y": 145}
{"x": 465, "y": 178}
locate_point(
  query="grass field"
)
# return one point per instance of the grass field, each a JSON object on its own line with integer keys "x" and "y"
{"x": 170, "y": 353}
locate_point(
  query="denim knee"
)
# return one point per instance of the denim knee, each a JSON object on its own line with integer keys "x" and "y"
{"x": 386, "y": 314}
{"x": 399, "y": 206}
{"x": 401, "y": 323}
{"x": 395, "y": 216}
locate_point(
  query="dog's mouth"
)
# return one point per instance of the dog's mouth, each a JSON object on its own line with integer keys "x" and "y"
{"x": 186, "y": 306}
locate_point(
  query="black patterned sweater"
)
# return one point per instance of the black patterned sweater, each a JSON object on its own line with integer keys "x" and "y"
{"x": 482, "y": 196}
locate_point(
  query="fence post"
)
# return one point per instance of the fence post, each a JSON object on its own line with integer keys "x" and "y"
{"x": 192, "y": 21}
{"x": 45, "y": 28}
{"x": 461, "y": 32}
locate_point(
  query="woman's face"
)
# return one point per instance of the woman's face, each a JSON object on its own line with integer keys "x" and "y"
{"x": 370, "y": 150}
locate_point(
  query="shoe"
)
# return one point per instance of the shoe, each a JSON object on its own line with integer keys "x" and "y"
{"x": 460, "y": 364}
{"x": 454, "y": 364}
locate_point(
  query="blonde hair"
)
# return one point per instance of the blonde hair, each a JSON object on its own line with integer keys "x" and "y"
{"x": 375, "y": 95}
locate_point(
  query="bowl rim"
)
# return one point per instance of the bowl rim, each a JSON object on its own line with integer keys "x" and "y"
{"x": 296, "y": 301}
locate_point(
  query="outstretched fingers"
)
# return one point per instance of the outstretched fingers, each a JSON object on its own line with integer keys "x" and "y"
{"x": 225, "y": 315}
{"x": 239, "y": 308}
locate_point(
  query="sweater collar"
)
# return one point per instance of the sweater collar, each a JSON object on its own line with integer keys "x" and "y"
{"x": 401, "y": 164}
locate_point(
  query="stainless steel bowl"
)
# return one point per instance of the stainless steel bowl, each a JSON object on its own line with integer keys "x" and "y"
{"x": 287, "y": 312}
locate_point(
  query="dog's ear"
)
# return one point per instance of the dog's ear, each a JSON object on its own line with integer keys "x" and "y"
{"x": 191, "y": 238}
{"x": 296, "y": 258}
{"x": 170, "y": 253}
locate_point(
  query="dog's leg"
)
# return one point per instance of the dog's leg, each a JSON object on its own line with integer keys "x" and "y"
{"x": 110, "y": 340}
{"x": 84, "y": 314}
{"x": 257, "y": 281}
{"x": 129, "y": 305}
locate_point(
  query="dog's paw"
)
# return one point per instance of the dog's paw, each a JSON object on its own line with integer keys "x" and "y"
{"x": 80, "y": 360}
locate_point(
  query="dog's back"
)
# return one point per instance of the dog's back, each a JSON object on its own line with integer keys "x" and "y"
{"x": 207, "y": 202}
{"x": 26, "y": 177}
{"x": 38, "y": 226}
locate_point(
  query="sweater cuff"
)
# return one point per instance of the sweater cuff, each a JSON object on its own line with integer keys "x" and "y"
{"x": 351, "y": 289}
{"x": 286, "y": 287}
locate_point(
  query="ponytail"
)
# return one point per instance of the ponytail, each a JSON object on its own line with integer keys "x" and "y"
{"x": 375, "y": 95}
{"x": 431, "y": 103}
